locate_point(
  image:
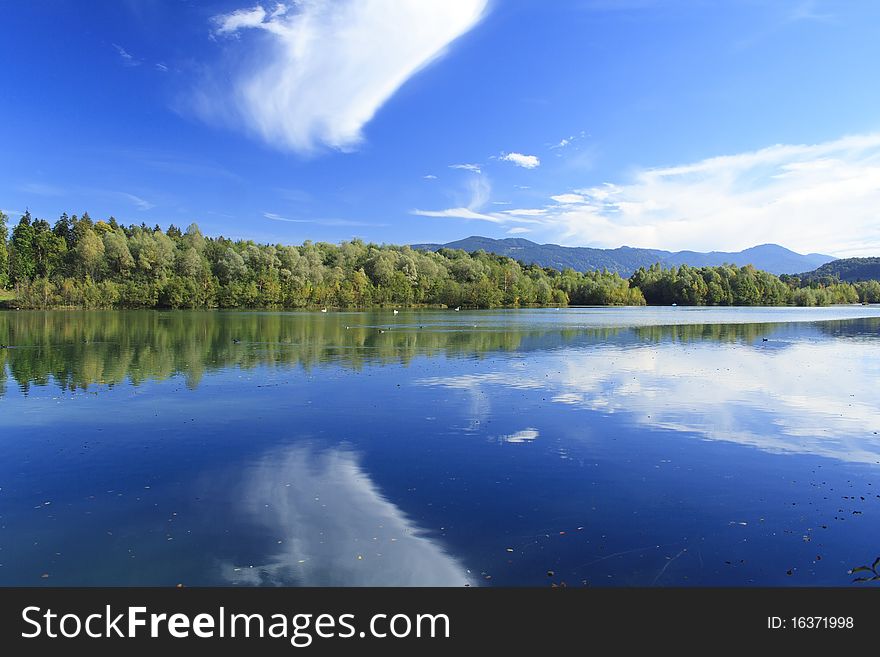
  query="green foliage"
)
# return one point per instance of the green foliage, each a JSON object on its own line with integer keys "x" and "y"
{"x": 4, "y": 253}
{"x": 100, "y": 264}
{"x": 729, "y": 285}
{"x": 848, "y": 270}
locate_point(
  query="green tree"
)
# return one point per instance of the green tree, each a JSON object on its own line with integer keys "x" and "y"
{"x": 4, "y": 254}
{"x": 22, "y": 266}
{"x": 89, "y": 252}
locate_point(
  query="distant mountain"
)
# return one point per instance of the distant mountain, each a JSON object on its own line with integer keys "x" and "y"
{"x": 850, "y": 270}
{"x": 625, "y": 260}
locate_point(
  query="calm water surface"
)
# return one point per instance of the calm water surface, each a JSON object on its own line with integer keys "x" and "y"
{"x": 607, "y": 447}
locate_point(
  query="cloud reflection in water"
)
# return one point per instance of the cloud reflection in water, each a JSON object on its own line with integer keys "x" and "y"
{"x": 810, "y": 397}
{"x": 334, "y": 527}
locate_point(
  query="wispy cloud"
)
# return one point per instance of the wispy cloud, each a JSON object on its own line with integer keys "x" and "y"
{"x": 326, "y": 68}
{"x": 430, "y": 176}
{"x": 127, "y": 58}
{"x": 475, "y": 168}
{"x": 567, "y": 141}
{"x": 808, "y": 11}
{"x": 140, "y": 203}
{"x": 277, "y": 217}
{"x": 43, "y": 189}
{"x": 480, "y": 193}
{"x": 809, "y": 197}
{"x": 182, "y": 166}
{"x": 461, "y": 213}
{"x": 519, "y": 230}
{"x": 526, "y": 212}
{"x": 273, "y": 216}
{"x": 161, "y": 67}
{"x": 520, "y": 160}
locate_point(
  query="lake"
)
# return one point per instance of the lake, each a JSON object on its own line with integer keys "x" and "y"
{"x": 585, "y": 446}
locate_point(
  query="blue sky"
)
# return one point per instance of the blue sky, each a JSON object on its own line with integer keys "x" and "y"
{"x": 683, "y": 124}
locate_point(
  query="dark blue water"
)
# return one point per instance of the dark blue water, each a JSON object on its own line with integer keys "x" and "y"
{"x": 600, "y": 447}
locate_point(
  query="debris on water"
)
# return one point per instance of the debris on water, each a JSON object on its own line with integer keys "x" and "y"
{"x": 45, "y": 576}
{"x": 510, "y": 549}
{"x": 807, "y": 538}
{"x": 360, "y": 557}
{"x": 789, "y": 572}
{"x": 550, "y": 573}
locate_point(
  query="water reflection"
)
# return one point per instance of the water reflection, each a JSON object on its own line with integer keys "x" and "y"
{"x": 792, "y": 394}
{"x": 78, "y": 349}
{"x": 333, "y": 527}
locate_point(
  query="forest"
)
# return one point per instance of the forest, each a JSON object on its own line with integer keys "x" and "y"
{"x": 78, "y": 262}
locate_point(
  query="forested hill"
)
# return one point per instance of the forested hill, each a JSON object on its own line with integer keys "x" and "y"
{"x": 80, "y": 262}
{"x": 850, "y": 270}
{"x": 625, "y": 260}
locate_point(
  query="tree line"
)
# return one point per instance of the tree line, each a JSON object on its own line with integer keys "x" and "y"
{"x": 79, "y": 262}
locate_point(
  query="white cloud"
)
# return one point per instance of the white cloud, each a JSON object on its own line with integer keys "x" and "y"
{"x": 277, "y": 217}
{"x": 568, "y": 199}
{"x": 480, "y": 191}
{"x": 810, "y": 198}
{"x": 430, "y": 176}
{"x": 568, "y": 141}
{"x": 127, "y": 58}
{"x": 467, "y": 167}
{"x": 42, "y": 189}
{"x": 326, "y": 68}
{"x": 526, "y": 212}
{"x": 520, "y": 160}
{"x": 161, "y": 67}
{"x": 241, "y": 19}
{"x": 140, "y": 203}
{"x": 460, "y": 213}
{"x": 519, "y": 230}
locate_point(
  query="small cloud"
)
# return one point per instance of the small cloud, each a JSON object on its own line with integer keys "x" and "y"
{"x": 41, "y": 189}
{"x": 140, "y": 203}
{"x": 127, "y": 58}
{"x": 568, "y": 199}
{"x": 467, "y": 167}
{"x": 161, "y": 67}
{"x": 500, "y": 202}
{"x": 806, "y": 11}
{"x": 273, "y": 216}
{"x": 12, "y": 213}
{"x": 430, "y": 176}
{"x": 522, "y": 186}
{"x": 277, "y": 217}
{"x": 520, "y": 160}
{"x": 458, "y": 213}
{"x": 519, "y": 230}
{"x": 567, "y": 141}
{"x": 526, "y": 212}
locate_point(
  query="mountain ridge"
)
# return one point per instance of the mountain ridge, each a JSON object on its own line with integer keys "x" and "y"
{"x": 625, "y": 260}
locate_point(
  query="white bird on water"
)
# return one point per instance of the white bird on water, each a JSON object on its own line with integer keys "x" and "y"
{"x": 396, "y": 311}
{"x": 323, "y": 310}
{"x": 457, "y": 308}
